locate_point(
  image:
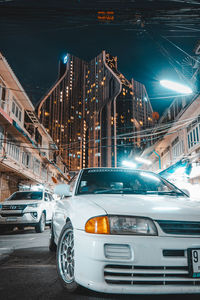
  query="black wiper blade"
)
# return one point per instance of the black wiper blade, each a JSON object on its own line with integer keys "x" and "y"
{"x": 172, "y": 193}
{"x": 120, "y": 191}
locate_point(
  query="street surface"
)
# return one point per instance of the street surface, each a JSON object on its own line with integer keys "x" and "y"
{"x": 27, "y": 271}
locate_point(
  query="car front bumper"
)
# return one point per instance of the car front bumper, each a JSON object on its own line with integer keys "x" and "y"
{"x": 134, "y": 264}
{"x": 17, "y": 218}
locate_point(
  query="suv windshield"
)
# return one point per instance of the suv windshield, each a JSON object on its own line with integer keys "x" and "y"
{"x": 124, "y": 181}
{"x": 26, "y": 196}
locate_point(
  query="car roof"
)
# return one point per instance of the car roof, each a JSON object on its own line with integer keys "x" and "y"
{"x": 119, "y": 168}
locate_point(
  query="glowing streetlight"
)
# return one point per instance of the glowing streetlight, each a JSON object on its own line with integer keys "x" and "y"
{"x": 180, "y": 88}
{"x": 143, "y": 160}
{"x": 129, "y": 164}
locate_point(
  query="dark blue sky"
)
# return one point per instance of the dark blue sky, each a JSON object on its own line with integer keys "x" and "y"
{"x": 33, "y": 39}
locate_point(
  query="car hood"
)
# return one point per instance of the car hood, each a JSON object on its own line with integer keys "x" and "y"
{"x": 153, "y": 206}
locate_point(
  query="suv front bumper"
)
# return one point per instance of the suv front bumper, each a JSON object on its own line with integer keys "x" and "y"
{"x": 29, "y": 218}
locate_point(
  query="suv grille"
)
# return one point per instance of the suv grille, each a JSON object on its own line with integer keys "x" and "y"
{"x": 14, "y": 207}
{"x": 146, "y": 275}
{"x": 180, "y": 227}
{"x": 11, "y": 215}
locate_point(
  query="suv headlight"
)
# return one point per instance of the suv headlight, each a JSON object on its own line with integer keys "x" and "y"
{"x": 126, "y": 225}
{"x": 33, "y": 205}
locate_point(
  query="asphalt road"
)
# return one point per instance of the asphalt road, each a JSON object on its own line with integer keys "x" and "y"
{"x": 27, "y": 271}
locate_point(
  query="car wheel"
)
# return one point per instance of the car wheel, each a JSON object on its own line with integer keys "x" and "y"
{"x": 52, "y": 244}
{"x": 41, "y": 225}
{"x": 65, "y": 259}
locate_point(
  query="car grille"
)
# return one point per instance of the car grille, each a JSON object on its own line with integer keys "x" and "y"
{"x": 12, "y": 215}
{"x": 143, "y": 275}
{"x": 180, "y": 227}
{"x": 14, "y": 207}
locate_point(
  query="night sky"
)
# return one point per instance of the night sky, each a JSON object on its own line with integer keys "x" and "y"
{"x": 34, "y": 35}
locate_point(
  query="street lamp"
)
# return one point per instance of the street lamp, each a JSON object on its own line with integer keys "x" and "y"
{"x": 143, "y": 160}
{"x": 183, "y": 89}
{"x": 129, "y": 164}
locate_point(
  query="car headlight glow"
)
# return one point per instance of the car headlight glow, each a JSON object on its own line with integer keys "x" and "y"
{"x": 124, "y": 225}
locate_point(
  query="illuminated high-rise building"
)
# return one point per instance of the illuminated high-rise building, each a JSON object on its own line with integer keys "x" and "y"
{"x": 61, "y": 111}
{"x": 94, "y": 113}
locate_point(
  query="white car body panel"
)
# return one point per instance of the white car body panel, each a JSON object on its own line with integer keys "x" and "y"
{"x": 68, "y": 208}
{"x": 90, "y": 262}
{"x": 159, "y": 207}
{"x": 146, "y": 251}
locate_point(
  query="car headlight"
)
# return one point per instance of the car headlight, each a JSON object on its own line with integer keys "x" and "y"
{"x": 33, "y": 205}
{"x": 126, "y": 225}
{"x": 132, "y": 225}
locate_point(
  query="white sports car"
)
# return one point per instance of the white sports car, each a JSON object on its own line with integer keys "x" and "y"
{"x": 126, "y": 231}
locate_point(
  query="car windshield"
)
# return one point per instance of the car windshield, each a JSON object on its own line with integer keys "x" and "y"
{"x": 26, "y": 196}
{"x": 124, "y": 181}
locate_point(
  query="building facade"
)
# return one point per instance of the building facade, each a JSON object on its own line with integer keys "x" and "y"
{"x": 175, "y": 153}
{"x": 176, "y": 156}
{"x": 94, "y": 114}
{"x": 26, "y": 149}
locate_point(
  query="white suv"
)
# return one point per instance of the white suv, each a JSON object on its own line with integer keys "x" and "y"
{"x": 27, "y": 208}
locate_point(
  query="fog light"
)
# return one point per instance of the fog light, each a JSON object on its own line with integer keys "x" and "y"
{"x": 34, "y": 214}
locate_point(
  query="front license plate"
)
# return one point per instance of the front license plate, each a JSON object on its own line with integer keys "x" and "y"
{"x": 11, "y": 219}
{"x": 194, "y": 262}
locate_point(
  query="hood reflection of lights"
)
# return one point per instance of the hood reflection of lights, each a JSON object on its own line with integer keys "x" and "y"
{"x": 161, "y": 208}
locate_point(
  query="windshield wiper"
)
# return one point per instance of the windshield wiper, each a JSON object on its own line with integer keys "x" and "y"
{"x": 170, "y": 193}
{"x": 119, "y": 191}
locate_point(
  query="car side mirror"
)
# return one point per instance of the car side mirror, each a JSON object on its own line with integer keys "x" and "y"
{"x": 62, "y": 190}
{"x": 186, "y": 192}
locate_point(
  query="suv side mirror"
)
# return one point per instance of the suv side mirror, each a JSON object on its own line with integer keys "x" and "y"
{"x": 62, "y": 190}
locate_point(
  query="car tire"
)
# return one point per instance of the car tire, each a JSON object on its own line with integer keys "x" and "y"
{"x": 40, "y": 227}
{"x": 20, "y": 227}
{"x": 52, "y": 244}
{"x": 2, "y": 229}
{"x": 65, "y": 259}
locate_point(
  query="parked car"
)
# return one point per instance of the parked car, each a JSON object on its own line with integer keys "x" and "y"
{"x": 27, "y": 208}
{"x": 126, "y": 231}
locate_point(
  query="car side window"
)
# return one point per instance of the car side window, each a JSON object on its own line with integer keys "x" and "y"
{"x": 50, "y": 197}
{"x": 46, "y": 197}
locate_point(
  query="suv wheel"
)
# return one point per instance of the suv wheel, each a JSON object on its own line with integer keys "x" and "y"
{"x": 41, "y": 225}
